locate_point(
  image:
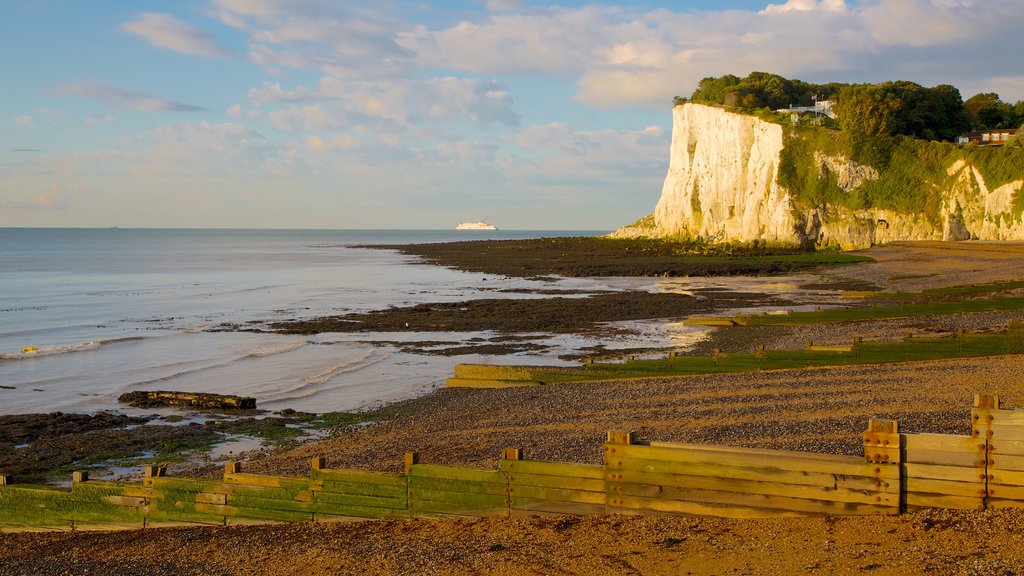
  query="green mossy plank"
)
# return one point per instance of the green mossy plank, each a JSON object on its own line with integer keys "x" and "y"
{"x": 443, "y": 500}
{"x": 327, "y": 499}
{"x": 286, "y": 482}
{"x": 538, "y": 467}
{"x": 359, "y": 477}
{"x": 455, "y": 473}
{"x": 248, "y": 501}
{"x": 557, "y": 494}
{"x": 419, "y": 483}
{"x": 360, "y": 511}
{"x": 364, "y": 489}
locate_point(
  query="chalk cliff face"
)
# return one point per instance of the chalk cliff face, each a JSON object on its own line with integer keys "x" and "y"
{"x": 722, "y": 184}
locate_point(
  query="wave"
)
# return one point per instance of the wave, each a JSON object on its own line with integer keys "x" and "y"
{"x": 279, "y": 349}
{"x": 65, "y": 349}
{"x": 310, "y": 385}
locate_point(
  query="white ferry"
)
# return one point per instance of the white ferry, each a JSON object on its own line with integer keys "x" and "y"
{"x": 481, "y": 225}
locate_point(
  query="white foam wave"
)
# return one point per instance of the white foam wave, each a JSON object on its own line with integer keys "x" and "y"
{"x": 310, "y": 385}
{"x": 32, "y": 352}
{"x": 279, "y": 349}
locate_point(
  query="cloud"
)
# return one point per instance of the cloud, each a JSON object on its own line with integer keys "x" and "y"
{"x": 166, "y": 31}
{"x": 27, "y": 150}
{"x": 50, "y": 200}
{"x": 125, "y": 99}
{"x": 25, "y": 120}
{"x": 342, "y": 39}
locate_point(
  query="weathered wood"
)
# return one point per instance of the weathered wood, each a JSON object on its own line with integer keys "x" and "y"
{"x": 529, "y": 507}
{"x": 999, "y": 432}
{"x": 446, "y": 508}
{"x": 410, "y": 460}
{"x": 430, "y": 483}
{"x": 620, "y": 437}
{"x": 881, "y": 504}
{"x": 945, "y": 487}
{"x": 943, "y": 442}
{"x": 456, "y": 500}
{"x": 1006, "y": 462}
{"x": 915, "y": 501}
{"x": 752, "y": 458}
{"x": 211, "y": 498}
{"x": 359, "y": 489}
{"x": 945, "y": 458}
{"x": 842, "y": 490}
{"x": 539, "y": 467}
{"x": 456, "y": 473}
{"x": 1006, "y": 491}
{"x": 325, "y": 500}
{"x": 266, "y": 481}
{"x": 557, "y": 494}
{"x": 780, "y": 470}
{"x": 631, "y": 503}
{"x": 565, "y": 482}
{"x": 939, "y": 472}
{"x": 127, "y": 501}
{"x": 359, "y": 477}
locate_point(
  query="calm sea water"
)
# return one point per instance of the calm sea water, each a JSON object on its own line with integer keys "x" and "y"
{"x": 115, "y": 310}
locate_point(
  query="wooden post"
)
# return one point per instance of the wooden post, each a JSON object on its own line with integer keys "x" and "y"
{"x": 882, "y": 441}
{"x": 511, "y": 454}
{"x": 154, "y": 471}
{"x": 319, "y": 463}
{"x": 79, "y": 476}
{"x": 6, "y": 480}
{"x": 620, "y": 437}
{"x": 411, "y": 459}
{"x": 232, "y": 467}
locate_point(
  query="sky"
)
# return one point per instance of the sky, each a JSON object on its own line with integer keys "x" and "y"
{"x": 423, "y": 114}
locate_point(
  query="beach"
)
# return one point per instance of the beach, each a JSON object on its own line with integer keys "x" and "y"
{"x": 821, "y": 409}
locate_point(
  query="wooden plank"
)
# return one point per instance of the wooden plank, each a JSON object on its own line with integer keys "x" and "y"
{"x": 430, "y": 508}
{"x": 359, "y": 477}
{"x": 738, "y": 450}
{"x": 744, "y": 473}
{"x": 211, "y": 498}
{"x": 1005, "y": 477}
{"x": 945, "y": 487}
{"x": 379, "y": 490}
{"x": 551, "y": 468}
{"x": 775, "y": 502}
{"x": 938, "y": 472}
{"x": 456, "y": 499}
{"x": 557, "y": 494}
{"x": 863, "y": 491}
{"x": 530, "y": 506}
{"x": 324, "y": 499}
{"x": 127, "y": 501}
{"x": 419, "y": 483}
{"x": 965, "y": 459}
{"x": 1009, "y": 447}
{"x": 456, "y": 473}
{"x": 568, "y": 482}
{"x": 1008, "y": 417}
{"x": 249, "y": 512}
{"x": 630, "y": 503}
{"x": 758, "y": 459}
{"x": 915, "y": 500}
{"x": 1006, "y": 462}
{"x": 942, "y": 442}
{"x": 1005, "y": 492}
{"x": 1001, "y": 433}
{"x": 255, "y": 501}
{"x": 359, "y": 511}
{"x": 999, "y": 503}
{"x": 266, "y": 481}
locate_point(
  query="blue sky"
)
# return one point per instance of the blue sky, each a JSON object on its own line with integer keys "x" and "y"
{"x": 393, "y": 114}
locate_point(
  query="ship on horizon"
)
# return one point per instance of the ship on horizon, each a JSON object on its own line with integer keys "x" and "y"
{"x": 478, "y": 225}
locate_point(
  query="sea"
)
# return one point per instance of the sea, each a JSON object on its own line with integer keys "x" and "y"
{"x": 89, "y": 314}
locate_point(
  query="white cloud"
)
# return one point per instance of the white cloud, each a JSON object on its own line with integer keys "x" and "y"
{"x": 807, "y": 5}
{"x": 25, "y": 120}
{"x": 166, "y": 31}
{"x": 126, "y": 99}
{"x": 50, "y": 200}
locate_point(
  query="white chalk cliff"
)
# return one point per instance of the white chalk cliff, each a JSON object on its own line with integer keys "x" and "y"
{"x": 722, "y": 184}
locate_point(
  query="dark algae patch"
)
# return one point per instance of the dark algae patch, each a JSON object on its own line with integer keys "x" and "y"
{"x": 594, "y": 256}
{"x": 561, "y": 315}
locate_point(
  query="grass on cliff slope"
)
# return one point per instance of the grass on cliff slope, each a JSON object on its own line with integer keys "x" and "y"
{"x": 912, "y": 172}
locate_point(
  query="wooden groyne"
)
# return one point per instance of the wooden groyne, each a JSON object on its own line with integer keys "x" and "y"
{"x": 897, "y": 472}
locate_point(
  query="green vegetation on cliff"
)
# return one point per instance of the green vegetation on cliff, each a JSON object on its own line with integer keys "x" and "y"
{"x": 911, "y": 172}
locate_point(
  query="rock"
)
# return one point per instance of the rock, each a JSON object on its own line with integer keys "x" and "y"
{"x": 153, "y": 398}
{"x": 722, "y": 185}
